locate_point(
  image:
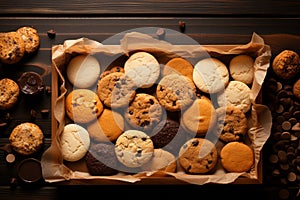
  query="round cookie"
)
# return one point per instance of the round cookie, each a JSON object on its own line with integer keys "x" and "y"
{"x": 101, "y": 159}
{"x": 237, "y": 157}
{"x": 75, "y": 142}
{"x": 144, "y": 112}
{"x": 134, "y": 148}
{"x": 113, "y": 69}
{"x": 9, "y": 93}
{"x": 232, "y": 123}
{"x": 175, "y": 92}
{"x": 236, "y": 93}
{"x": 296, "y": 89}
{"x": 12, "y": 47}
{"x": 26, "y": 138}
{"x": 31, "y": 83}
{"x": 83, "y": 105}
{"x": 179, "y": 65}
{"x": 200, "y": 117}
{"x": 83, "y": 71}
{"x": 108, "y": 127}
{"x": 30, "y": 37}
{"x": 210, "y": 75}
{"x": 164, "y": 132}
{"x": 198, "y": 156}
{"x": 241, "y": 68}
{"x": 286, "y": 64}
{"x": 143, "y": 69}
{"x": 116, "y": 90}
{"x": 161, "y": 161}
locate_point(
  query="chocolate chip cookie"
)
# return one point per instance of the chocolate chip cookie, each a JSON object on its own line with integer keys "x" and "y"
{"x": 175, "y": 92}
{"x": 12, "y": 47}
{"x": 198, "y": 156}
{"x": 116, "y": 90}
{"x": 144, "y": 112}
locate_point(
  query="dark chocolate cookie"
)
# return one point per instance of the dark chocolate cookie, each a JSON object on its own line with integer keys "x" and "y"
{"x": 101, "y": 159}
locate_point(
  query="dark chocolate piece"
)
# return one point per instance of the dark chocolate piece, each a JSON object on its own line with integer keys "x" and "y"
{"x": 31, "y": 83}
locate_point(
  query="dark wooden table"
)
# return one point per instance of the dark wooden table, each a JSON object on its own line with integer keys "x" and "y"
{"x": 207, "y": 22}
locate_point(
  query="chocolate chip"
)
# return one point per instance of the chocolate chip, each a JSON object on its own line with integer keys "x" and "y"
{"x": 181, "y": 26}
{"x": 160, "y": 33}
{"x": 45, "y": 113}
{"x": 33, "y": 114}
{"x": 51, "y": 33}
{"x": 13, "y": 182}
{"x": 195, "y": 143}
{"x": 286, "y": 125}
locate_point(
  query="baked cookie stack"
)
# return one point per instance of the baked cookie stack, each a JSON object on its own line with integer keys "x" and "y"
{"x": 161, "y": 116}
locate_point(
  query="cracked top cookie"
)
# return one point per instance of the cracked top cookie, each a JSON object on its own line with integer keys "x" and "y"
{"x": 134, "y": 148}
{"x": 286, "y": 64}
{"x": 198, "y": 156}
{"x": 175, "y": 92}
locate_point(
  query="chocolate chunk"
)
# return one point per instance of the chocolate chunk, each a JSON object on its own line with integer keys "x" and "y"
{"x": 31, "y": 83}
{"x": 51, "y": 33}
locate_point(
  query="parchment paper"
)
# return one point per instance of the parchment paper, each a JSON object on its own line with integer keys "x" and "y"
{"x": 260, "y": 119}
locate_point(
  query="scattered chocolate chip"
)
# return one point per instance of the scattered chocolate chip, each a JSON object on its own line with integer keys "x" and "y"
{"x": 160, "y": 33}
{"x": 33, "y": 114}
{"x": 51, "y": 33}
{"x": 10, "y": 158}
{"x": 181, "y": 26}
{"x": 283, "y": 194}
{"x": 48, "y": 90}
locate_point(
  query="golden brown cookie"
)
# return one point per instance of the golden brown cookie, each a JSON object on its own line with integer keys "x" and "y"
{"x": 199, "y": 118}
{"x": 179, "y": 65}
{"x": 9, "y": 93}
{"x": 237, "y": 157}
{"x": 296, "y": 89}
{"x": 116, "y": 90}
{"x": 241, "y": 68}
{"x": 232, "y": 123}
{"x": 108, "y": 127}
{"x": 12, "y": 47}
{"x": 30, "y": 37}
{"x": 26, "y": 138}
{"x": 286, "y": 64}
{"x": 83, "y": 105}
{"x": 175, "y": 92}
{"x": 198, "y": 156}
{"x": 144, "y": 112}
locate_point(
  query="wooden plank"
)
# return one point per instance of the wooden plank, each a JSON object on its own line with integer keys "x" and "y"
{"x": 151, "y": 8}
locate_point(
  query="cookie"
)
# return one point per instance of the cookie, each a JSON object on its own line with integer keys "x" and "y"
{"x": 236, "y": 157}
{"x": 30, "y": 37}
{"x": 101, "y": 159}
{"x": 175, "y": 92}
{"x": 134, "y": 148}
{"x": 83, "y": 71}
{"x": 296, "y": 89}
{"x": 83, "y": 105}
{"x": 162, "y": 161}
{"x": 241, "y": 68}
{"x": 232, "y": 123}
{"x": 113, "y": 69}
{"x": 236, "y": 93}
{"x": 179, "y": 65}
{"x": 26, "y": 138}
{"x": 143, "y": 69}
{"x": 31, "y": 83}
{"x": 144, "y": 112}
{"x": 108, "y": 127}
{"x": 9, "y": 93}
{"x": 75, "y": 142}
{"x": 200, "y": 118}
{"x": 12, "y": 47}
{"x": 286, "y": 64}
{"x": 210, "y": 75}
{"x": 116, "y": 90}
{"x": 198, "y": 156}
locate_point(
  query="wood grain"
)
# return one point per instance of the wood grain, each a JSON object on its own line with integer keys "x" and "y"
{"x": 151, "y": 7}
